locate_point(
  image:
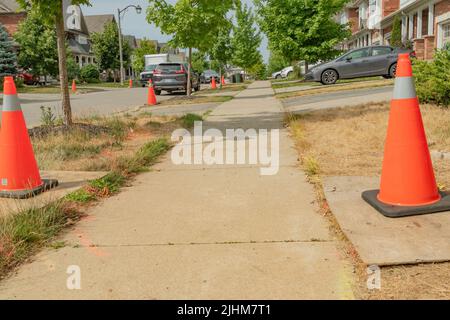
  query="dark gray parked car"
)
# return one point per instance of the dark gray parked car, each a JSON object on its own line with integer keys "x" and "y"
{"x": 361, "y": 62}
{"x": 173, "y": 77}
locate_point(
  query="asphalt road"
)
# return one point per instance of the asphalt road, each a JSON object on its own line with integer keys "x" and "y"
{"x": 96, "y": 103}
{"x": 338, "y": 99}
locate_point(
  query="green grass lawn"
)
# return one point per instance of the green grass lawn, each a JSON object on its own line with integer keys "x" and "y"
{"x": 53, "y": 89}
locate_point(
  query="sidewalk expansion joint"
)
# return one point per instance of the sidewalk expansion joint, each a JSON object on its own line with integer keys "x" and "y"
{"x": 212, "y": 243}
{"x": 216, "y": 167}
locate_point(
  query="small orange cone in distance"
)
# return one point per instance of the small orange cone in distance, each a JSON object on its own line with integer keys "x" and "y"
{"x": 223, "y": 80}
{"x": 130, "y": 85}
{"x": 408, "y": 185}
{"x": 151, "y": 100}
{"x": 19, "y": 173}
{"x": 213, "y": 83}
{"x": 74, "y": 86}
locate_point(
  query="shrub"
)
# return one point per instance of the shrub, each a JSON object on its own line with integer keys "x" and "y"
{"x": 433, "y": 79}
{"x": 73, "y": 69}
{"x": 89, "y": 73}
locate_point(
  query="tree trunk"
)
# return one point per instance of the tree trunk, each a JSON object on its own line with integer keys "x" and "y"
{"x": 220, "y": 76}
{"x": 189, "y": 86}
{"x": 62, "y": 63}
{"x": 306, "y": 67}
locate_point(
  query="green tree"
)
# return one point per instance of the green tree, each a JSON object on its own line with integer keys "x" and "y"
{"x": 192, "y": 23}
{"x": 277, "y": 62}
{"x": 138, "y": 58}
{"x": 246, "y": 39}
{"x": 259, "y": 70}
{"x": 51, "y": 12}
{"x": 7, "y": 55}
{"x": 38, "y": 48}
{"x": 303, "y": 29}
{"x": 106, "y": 48}
{"x": 199, "y": 61}
{"x": 221, "y": 52}
{"x": 396, "y": 33}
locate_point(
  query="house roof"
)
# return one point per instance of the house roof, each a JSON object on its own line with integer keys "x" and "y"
{"x": 97, "y": 23}
{"x": 131, "y": 40}
{"x": 78, "y": 48}
{"x": 8, "y": 6}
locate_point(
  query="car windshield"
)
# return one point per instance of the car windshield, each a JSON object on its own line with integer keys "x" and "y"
{"x": 150, "y": 67}
{"x": 210, "y": 73}
{"x": 173, "y": 67}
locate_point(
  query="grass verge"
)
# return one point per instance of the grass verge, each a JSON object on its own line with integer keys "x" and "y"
{"x": 335, "y": 88}
{"x": 226, "y": 88}
{"x": 189, "y": 120}
{"x": 54, "y": 90}
{"x": 195, "y": 99}
{"x": 21, "y": 235}
{"x": 349, "y": 142}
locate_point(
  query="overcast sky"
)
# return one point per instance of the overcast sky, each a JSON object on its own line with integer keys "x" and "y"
{"x": 137, "y": 25}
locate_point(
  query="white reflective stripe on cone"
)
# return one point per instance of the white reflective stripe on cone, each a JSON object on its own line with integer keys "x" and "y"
{"x": 404, "y": 88}
{"x": 11, "y": 103}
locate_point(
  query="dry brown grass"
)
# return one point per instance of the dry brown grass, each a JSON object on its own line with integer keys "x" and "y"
{"x": 82, "y": 151}
{"x": 350, "y": 141}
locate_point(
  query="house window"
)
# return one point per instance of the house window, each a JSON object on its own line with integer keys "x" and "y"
{"x": 445, "y": 34}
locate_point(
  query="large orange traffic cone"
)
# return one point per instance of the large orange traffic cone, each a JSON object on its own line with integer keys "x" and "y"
{"x": 151, "y": 100}
{"x": 213, "y": 83}
{"x": 19, "y": 173}
{"x": 408, "y": 186}
{"x": 74, "y": 86}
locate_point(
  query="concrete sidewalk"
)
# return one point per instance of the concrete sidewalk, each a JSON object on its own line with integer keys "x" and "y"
{"x": 201, "y": 232}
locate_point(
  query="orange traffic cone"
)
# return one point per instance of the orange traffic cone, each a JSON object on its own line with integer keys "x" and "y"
{"x": 130, "y": 85}
{"x": 151, "y": 100}
{"x": 74, "y": 86}
{"x": 223, "y": 80}
{"x": 408, "y": 186}
{"x": 213, "y": 83}
{"x": 19, "y": 173}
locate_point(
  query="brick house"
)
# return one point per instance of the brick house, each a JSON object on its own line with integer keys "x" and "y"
{"x": 11, "y": 15}
{"x": 425, "y": 24}
{"x": 77, "y": 33}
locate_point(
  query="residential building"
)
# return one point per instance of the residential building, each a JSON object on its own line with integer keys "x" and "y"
{"x": 425, "y": 24}
{"x": 77, "y": 33}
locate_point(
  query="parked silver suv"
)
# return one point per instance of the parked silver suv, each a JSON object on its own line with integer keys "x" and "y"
{"x": 357, "y": 63}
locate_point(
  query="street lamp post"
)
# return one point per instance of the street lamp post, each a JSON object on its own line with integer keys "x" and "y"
{"x": 119, "y": 12}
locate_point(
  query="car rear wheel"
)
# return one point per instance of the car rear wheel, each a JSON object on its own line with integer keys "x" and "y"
{"x": 278, "y": 77}
{"x": 393, "y": 70}
{"x": 157, "y": 92}
{"x": 329, "y": 77}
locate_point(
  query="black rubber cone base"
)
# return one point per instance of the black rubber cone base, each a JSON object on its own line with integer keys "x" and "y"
{"x": 392, "y": 211}
{"x": 25, "y": 194}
